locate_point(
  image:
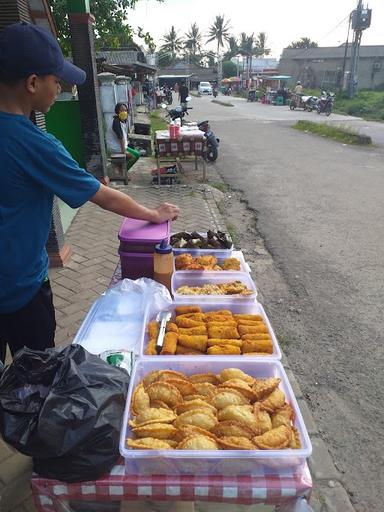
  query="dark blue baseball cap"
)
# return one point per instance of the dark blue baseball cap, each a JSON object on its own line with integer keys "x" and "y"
{"x": 27, "y": 49}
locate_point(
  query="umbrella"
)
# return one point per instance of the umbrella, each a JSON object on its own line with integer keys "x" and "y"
{"x": 225, "y": 81}
{"x": 234, "y": 79}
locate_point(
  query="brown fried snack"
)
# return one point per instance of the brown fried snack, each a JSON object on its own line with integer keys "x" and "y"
{"x": 153, "y": 329}
{"x": 193, "y": 331}
{"x": 156, "y": 430}
{"x": 254, "y": 318}
{"x": 172, "y": 327}
{"x": 186, "y": 351}
{"x": 265, "y": 346}
{"x": 236, "y": 443}
{"x": 234, "y": 428}
{"x": 223, "y": 332}
{"x": 199, "y": 418}
{"x": 218, "y": 350}
{"x": 256, "y": 336}
{"x": 275, "y": 439}
{"x": 182, "y": 261}
{"x": 252, "y": 329}
{"x": 169, "y": 344}
{"x": 151, "y": 348}
{"x": 194, "y": 342}
{"x": 264, "y": 387}
{"x": 165, "y": 392}
{"x": 283, "y": 416}
{"x": 198, "y": 442}
{"x": 231, "y": 264}
{"x": 204, "y": 377}
{"x": 255, "y": 323}
{"x": 148, "y": 443}
{"x": 235, "y": 373}
{"x": 140, "y": 400}
{"x": 198, "y": 317}
{"x": 181, "y": 310}
{"x": 217, "y": 341}
{"x": 186, "y": 323}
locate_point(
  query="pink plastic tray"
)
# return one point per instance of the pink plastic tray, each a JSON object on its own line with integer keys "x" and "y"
{"x": 254, "y": 308}
{"x": 222, "y": 462}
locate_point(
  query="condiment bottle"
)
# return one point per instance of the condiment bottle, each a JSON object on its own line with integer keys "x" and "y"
{"x": 171, "y": 130}
{"x": 163, "y": 263}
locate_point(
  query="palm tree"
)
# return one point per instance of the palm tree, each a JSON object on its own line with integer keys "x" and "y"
{"x": 304, "y": 43}
{"x": 219, "y": 31}
{"x": 233, "y": 49}
{"x": 173, "y": 43}
{"x": 193, "y": 41}
{"x": 247, "y": 48}
{"x": 261, "y": 42}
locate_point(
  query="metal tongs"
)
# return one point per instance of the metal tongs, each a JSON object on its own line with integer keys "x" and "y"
{"x": 163, "y": 317}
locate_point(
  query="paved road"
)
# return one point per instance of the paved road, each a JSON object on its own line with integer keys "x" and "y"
{"x": 320, "y": 210}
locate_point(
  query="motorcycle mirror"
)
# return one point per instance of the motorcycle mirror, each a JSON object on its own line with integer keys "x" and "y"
{"x": 163, "y": 105}
{"x": 188, "y": 98}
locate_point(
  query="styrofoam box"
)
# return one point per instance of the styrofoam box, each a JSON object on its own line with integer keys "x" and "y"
{"x": 220, "y": 462}
{"x": 254, "y": 308}
{"x": 244, "y": 267}
{"x": 192, "y": 279}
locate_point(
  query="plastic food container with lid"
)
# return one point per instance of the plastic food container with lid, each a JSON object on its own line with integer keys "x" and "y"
{"x": 212, "y": 462}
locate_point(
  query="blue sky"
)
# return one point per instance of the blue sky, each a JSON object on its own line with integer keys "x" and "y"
{"x": 324, "y": 21}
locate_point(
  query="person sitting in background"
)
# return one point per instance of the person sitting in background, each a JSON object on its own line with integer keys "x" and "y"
{"x": 119, "y": 140}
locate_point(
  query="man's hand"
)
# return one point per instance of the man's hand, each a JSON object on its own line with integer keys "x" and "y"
{"x": 166, "y": 211}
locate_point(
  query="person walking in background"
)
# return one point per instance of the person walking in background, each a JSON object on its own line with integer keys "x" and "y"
{"x": 183, "y": 93}
{"x": 35, "y": 166}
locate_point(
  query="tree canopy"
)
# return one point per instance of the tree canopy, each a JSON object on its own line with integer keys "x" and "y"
{"x": 304, "y": 43}
{"x": 219, "y": 31}
{"x": 110, "y": 27}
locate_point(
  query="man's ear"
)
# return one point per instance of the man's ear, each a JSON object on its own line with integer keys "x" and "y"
{"x": 31, "y": 83}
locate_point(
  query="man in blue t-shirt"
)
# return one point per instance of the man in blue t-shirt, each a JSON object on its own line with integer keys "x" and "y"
{"x": 34, "y": 166}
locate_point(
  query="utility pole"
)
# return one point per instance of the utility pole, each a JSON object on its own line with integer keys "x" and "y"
{"x": 361, "y": 19}
{"x": 219, "y": 69}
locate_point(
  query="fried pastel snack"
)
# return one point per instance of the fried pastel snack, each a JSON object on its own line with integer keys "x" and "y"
{"x": 263, "y": 419}
{"x": 185, "y": 323}
{"x": 236, "y": 443}
{"x": 171, "y": 327}
{"x": 205, "y": 398}
{"x": 193, "y": 331}
{"x": 256, "y": 336}
{"x": 198, "y": 342}
{"x": 184, "y": 386}
{"x": 264, "y": 387}
{"x": 140, "y": 400}
{"x": 265, "y": 346}
{"x": 241, "y": 413}
{"x": 274, "y": 401}
{"x": 169, "y": 344}
{"x": 182, "y": 310}
{"x": 186, "y": 351}
{"x": 148, "y": 443}
{"x": 218, "y": 350}
{"x": 205, "y": 388}
{"x": 241, "y": 386}
{"x": 156, "y": 430}
{"x": 182, "y": 261}
{"x": 223, "y": 332}
{"x": 231, "y": 264}
{"x": 204, "y": 377}
{"x": 233, "y": 428}
{"x": 283, "y": 416}
{"x": 275, "y": 439}
{"x": 188, "y": 430}
{"x": 235, "y": 373}
{"x": 151, "y": 348}
{"x": 217, "y": 341}
{"x": 198, "y": 317}
{"x": 223, "y": 397}
{"x": 254, "y": 318}
{"x": 153, "y": 415}
{"x": 197, "y": 403}
{"x": 197, "y": 417}
{"x": 161, "y": 375}
{"x": 159, "y": 404}
{"x": 198, "y": 442}
{"x": 165, "y": 392}
{"x": 295, "y": 442}
{"x": 252, "y": 329}
{"x": 153, "y": 329}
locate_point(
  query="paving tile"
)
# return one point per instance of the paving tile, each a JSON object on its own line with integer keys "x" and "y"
{"x": 308, "y": 418}
{"x": 320, "y": 462}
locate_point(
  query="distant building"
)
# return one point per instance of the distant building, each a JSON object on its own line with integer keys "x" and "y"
{"x": 323, "y": 67}
{"x": 191, "y": 73}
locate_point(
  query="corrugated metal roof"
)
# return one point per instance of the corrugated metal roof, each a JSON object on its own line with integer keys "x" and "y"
{"x": 332, "y": 52}
{"x": 119, "y": 56}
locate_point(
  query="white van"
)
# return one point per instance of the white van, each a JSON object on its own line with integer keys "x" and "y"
{"x": 204, "y": 88}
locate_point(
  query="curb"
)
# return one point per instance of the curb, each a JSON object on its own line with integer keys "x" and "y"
{"x": 223, "y": 103}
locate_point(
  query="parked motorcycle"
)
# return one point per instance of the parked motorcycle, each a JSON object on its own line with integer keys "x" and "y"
{"x": 212, "y": 140}
{"x": 324, "y": 104}
{"x": 178, "y": 112}
{"x": 307, "y": 103}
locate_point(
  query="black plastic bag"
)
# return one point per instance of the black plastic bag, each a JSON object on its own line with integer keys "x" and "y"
{"x": 63, "y": 408}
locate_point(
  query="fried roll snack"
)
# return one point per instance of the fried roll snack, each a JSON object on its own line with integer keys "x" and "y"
{"x": 169, "y": 344}
{"x": 256, "y": 336}
{"x": 254, "y": 318}
{"x": 193, "y": 331}
{"x": 250, "y": 322}
{"x": 194, "y": 342}
{"x": 187, "y": 322}
{"x": 198, "y": 317}
{"x": 151, "y": 348}
{"x": 219, "y": 312}
{"x": 218, "y": 341}
{"x": 246, "y": 329}
{"x": 225, "y": 323}
{"x": 223, "y": 332}
{"x": 257, "y": 346}
{"x": 186, "y": 351}
{"x": 182, "y": 310}
{"x": 223, "y": 350}
{"x": 153, "y": 329}
{"x": 172, "y": 327}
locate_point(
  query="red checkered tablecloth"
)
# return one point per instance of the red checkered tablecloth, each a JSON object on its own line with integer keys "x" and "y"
{"x": 269, "y": 489}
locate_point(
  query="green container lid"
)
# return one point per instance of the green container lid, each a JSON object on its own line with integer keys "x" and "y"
{"x": 133, "y": 152}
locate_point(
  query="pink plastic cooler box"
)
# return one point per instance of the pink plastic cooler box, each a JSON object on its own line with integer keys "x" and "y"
{"x": 137, "y": 245}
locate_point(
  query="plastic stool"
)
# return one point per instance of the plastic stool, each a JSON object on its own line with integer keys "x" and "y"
{"x": 279, "y": 101}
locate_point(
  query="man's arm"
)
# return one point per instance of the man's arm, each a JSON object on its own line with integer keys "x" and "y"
{"x": 117, "y": 202}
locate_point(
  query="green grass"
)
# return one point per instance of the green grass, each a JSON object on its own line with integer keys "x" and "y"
{"x": 223, "y": 187}
{"x": 366, "y": 104}
{"x": 157, "y": 121}
{"x": 344, "y": 135}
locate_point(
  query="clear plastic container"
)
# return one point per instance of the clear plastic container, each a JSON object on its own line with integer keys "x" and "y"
{"x": 199, "y": 279}
{"x": 221, "y": 462}
{"x": 219, "y": 253}
{"x": 253, "y": 308}
{"x": 244, "y": 267}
